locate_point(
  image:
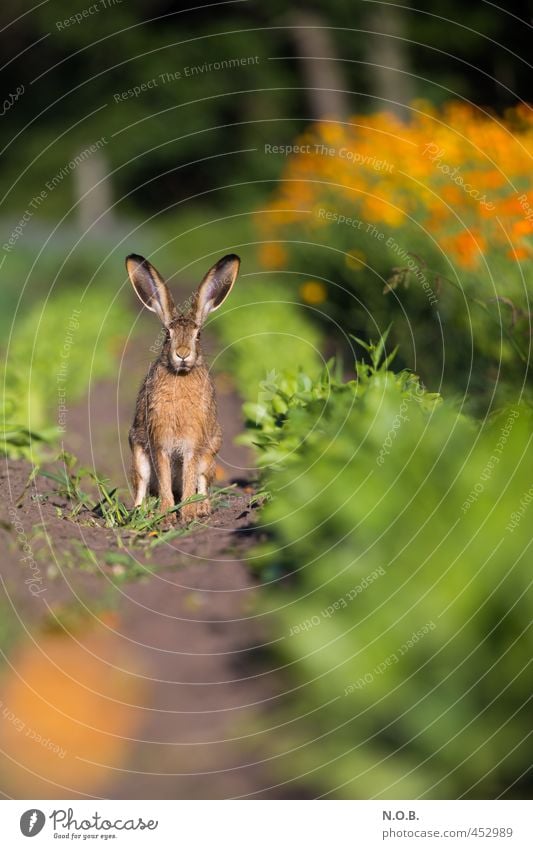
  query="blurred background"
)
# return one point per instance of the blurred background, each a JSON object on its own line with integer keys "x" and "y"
{"x": 123, "y": 123}
{"x": 370, "y": 163}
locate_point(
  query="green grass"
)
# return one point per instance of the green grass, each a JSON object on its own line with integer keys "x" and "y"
{"x": 93, "y": 500}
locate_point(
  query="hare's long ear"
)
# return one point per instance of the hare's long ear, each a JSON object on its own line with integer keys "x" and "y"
{"x": 216, "y": 286}
{"x": 150, "y": 287}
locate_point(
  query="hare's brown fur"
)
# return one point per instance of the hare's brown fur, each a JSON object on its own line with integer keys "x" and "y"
{"x": 175, "y": 435}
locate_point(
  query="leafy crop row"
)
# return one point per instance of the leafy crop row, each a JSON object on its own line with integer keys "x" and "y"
{"x": 400, "y": 584}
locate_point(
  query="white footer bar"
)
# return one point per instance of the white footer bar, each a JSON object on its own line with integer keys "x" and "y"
{"x": 267, "y": 824}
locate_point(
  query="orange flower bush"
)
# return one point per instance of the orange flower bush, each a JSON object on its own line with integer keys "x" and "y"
{"x": 447, "y": 194}
{"x": 460, "y": 172}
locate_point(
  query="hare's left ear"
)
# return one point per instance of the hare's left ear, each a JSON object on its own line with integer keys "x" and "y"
{"x": 150, "y": 287}
{"x": 216, "y": 286}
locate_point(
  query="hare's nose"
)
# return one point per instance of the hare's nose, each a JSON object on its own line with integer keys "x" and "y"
{"x": 183, "y": 351}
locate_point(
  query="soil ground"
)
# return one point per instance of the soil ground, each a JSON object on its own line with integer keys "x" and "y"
{"x": 184, "y": 642}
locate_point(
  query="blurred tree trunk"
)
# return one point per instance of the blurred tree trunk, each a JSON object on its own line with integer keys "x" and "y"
{"x": 93, "y": 194}
{"x": 322, "y": 74}
{"x": 388, "y": 59}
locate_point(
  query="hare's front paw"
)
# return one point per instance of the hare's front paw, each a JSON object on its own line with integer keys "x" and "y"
{"x": 195, "y": 510}
{"x": 203, "y": 508}
{"x": 188, "y": 513}
{"x": 169, "y": 520}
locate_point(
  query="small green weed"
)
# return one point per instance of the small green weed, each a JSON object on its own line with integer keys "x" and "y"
{"x": 91, "y": 496}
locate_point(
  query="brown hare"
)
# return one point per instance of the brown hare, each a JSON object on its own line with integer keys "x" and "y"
{"x": 175, "y": 435}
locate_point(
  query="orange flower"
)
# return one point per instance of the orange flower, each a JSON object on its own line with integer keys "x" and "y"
{"x": 272, "y": 255}
{"x": 313, "y": 292}
{"x": 466, "y": 248}
{"x": 523, "y": 227}
{"x": 519, "y": 253}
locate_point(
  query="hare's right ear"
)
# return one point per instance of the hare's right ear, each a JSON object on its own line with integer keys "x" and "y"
{"x": 216, "y": 286}
{"x": 150, "y": 287}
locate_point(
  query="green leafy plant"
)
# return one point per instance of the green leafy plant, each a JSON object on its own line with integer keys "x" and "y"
{"x": 275, "y": 424}
{"x": 398, "y": 581}
{"x": 20, "y": 442}
{"x": 56, "y": 349}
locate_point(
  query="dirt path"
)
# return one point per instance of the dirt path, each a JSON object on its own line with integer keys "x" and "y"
{"x": 153, "y": 687}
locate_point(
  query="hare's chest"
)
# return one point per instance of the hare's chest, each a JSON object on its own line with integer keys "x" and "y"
{"x": 177, "y": 415}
